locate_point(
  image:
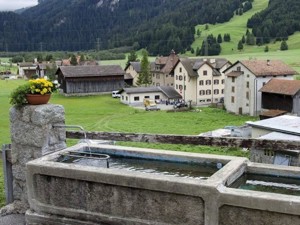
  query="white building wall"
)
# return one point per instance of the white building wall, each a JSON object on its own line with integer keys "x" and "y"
{"x": 245, "y": 103}
{"x": 138, "y": 98}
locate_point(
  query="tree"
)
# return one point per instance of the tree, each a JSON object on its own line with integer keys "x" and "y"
{"x": 206, "y": 27}
{"x": 198, "y": 33}
{"x": 250, "y": 39}
{"x": 284, "y": 46}
{"x": 73, "y": 60}
{"x": 243, "y": 39}
{"x": 240, "y": 45}
{"x": 144, "y": 76}
{"x": 132, "y": 57}
{"x": 266, "y": 48}
{"x": 219, "y": 39}
{"x": 49, "y": 57}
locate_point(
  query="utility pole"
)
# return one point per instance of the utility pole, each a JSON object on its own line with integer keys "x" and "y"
{"x": 41, "y": 46}
{"x": 98, "y": 44}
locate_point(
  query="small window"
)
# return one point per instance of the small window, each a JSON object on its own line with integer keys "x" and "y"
{"x": 247, "y": 95}
{"x": 180, "y": 69}
{"x": 223, "y": 81}
{"x": 233, "y": 79}
{"x": 216, "y": 81}
{"x": 232, "y": 99}
{"x": 180, "y": 77}
{"x": 216, "y": 91}
{"x": 201, "y": 82}
{"x": 201, "y": 100}
{"x": 180, "y": 87}
{"x": 176, "y": 86}
{"x": 208, "y": 92}
{"x": 208, "y": 100}
{"x": 136, "y": 98}
{"x": 247, "y": 84}
{"x": 157, "y": 76}
{"x": 176, "y": 77}
{"x": 147, "y": 97}
{"x": 238, "y": 68}
{"x": 233, "y": 89}
{"x": 126, "y": 98}
{"x": 156, "y": 97}
{"x": 222, "y": 91}
{"x": 208, "y": 82}
{"x": 204, "y": 72}
{"x": 202, "y": 92}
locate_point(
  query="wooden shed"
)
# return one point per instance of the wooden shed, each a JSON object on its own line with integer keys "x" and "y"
{"x": 281, "y": 94}
{"x": 90, "y": 79}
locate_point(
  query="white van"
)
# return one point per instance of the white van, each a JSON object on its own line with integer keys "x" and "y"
{"x": 115, "y": 94}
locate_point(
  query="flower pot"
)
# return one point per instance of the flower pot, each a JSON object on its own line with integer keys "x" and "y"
{"x": 37, "y": 99}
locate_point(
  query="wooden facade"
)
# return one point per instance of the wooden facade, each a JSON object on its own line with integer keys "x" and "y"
{"x": 84, "y": 80}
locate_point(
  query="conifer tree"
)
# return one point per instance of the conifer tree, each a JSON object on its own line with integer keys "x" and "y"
{"x": 284, "y": 46}
{"x": 144, "y": 78}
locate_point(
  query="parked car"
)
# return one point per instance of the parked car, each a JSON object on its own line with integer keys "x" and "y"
{"x": 115, "y": 94}
{"x": 152, "y": 108}
{"x": 178, "y": 105}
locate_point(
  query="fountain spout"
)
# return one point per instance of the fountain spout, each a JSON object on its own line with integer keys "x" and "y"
{"x": 70, "y": 126}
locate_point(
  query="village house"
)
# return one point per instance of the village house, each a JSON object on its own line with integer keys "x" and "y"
{"x": 90, "y": 79}
{"x": 26, "y": 69}
{"x": 245, "y": 78}
{"x": 279, "y": 94}
{"x": 284, "y": 127}
{"x": 132, "y": 71}
{"x": 200, "y": 81}
{"x": 136, "y": 96}
{"x": 162, "y": 70}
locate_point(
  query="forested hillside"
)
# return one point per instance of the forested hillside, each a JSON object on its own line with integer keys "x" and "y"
{"x": 158, "y": 25}
{"x": 278, "y": 21}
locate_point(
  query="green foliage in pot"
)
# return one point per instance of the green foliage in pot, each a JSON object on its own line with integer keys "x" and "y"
{"x": 18, "y": 96}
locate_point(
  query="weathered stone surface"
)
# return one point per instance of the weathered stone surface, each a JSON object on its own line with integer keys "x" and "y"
{"x": 32, "y": 135}
{"x": 120, "y": 202}
{"x": 230, "y": 215}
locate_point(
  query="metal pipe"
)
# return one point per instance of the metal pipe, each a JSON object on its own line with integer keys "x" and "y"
{"x": 70, "y": 126}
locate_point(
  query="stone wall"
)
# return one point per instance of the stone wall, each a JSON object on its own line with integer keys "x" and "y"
{"x": 32, "y": 135}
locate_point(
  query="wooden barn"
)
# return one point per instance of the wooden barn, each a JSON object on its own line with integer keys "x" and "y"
{"x": 90, "y": 79}
{"x": 280, "y": 94}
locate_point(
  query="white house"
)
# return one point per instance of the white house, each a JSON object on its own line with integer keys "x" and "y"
{"x": 201, "y": 80}
{"x": 136, "y": 96}
{"x": 245, "y": 78}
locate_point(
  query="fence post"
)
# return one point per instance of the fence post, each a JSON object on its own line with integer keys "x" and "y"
{"x": 7, "y": 171}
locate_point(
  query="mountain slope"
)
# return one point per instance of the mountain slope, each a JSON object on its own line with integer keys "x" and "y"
{"x": 158, "y": 25}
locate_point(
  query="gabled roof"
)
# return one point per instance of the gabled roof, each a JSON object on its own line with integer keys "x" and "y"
{"x": 26, "y": 64}
{"x": 266, "y": 67}
{"x": 91, "y": 71}
{"x": 170, "y": 92}
{"x": 136, "y": 66}
{"x": 166, "y": 63}
{"x": 188, "y": 64}
{"x": 281, "y": 86}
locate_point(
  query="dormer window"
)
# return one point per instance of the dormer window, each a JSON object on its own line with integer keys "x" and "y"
{"x": 238, "y": 68}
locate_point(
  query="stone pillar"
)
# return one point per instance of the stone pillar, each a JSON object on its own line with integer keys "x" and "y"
{"x": 32, "y": 135}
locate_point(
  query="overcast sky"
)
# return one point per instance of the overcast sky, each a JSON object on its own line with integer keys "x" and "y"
{"x": 9, "y": 5}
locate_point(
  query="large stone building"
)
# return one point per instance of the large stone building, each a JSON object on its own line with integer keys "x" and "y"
{"x": 245, "y": 78}
{"x": 201, "y": 81}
